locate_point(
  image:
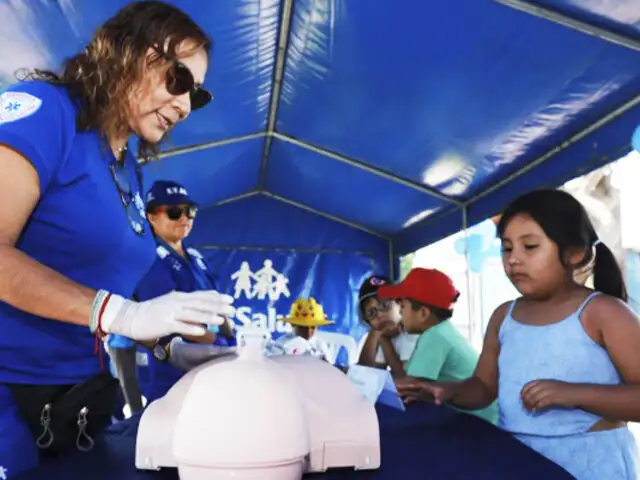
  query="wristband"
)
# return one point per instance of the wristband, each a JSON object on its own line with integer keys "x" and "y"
{"x": 112, "y": 316}
{"x": 96, "y": 310}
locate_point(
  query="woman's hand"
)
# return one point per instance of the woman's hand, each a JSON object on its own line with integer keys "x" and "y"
{"x": 412, "y": 389}
{"x": 544, "y": 394}
{"x": 174, "y": 313}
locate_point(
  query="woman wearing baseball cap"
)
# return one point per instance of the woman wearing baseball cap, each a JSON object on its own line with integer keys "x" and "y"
{"x": 442, "y": 354}
{"x": 387, "y": 344}
{"x": 178, "y": 267}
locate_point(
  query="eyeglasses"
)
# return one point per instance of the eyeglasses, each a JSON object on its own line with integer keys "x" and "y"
{"x": 180, "y": 80}
{"x": 373, "y": 312}
{"x": 175, "y": 212}
{"x": 121, "y": 179}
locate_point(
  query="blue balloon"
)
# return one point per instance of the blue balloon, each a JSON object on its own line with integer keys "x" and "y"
{"x": 635, "y": 140}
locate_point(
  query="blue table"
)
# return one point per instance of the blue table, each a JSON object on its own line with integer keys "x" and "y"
{"x": 426, "y": 441}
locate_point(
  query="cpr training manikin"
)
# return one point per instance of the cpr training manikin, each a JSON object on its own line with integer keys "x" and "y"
{"x": 277, "y": 417}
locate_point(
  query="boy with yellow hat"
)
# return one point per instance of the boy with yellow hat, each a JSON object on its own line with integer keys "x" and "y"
{"x": 305, "y": 318}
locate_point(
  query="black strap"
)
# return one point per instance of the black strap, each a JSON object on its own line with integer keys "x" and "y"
{"x": 124, "y": 361}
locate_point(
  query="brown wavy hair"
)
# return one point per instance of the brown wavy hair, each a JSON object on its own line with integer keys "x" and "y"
{"x": 101, "y": 77}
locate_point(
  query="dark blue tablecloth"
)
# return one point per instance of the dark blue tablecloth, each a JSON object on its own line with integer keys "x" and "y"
{"x": 426, "y": 441}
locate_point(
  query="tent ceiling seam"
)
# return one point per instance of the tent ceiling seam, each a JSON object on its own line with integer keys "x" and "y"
{"x": 276, "y": 87}
{"x": 319, "y": 150}
{"x": 174, "y": 152}
{"x": 369, "y": 168}
{"x": 326, "y": 215}
{"x": 556, "y": 150}
{"x": 235, "y": 198}
{"x": 300, "y": 206}
{"x": 574, "y": 24}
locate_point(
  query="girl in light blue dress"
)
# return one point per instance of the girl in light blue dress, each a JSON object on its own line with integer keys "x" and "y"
{"x": 562, "y": 360}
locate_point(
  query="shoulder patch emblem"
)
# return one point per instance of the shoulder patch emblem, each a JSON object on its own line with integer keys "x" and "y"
{"x": 17, "y": 105}
{"x": 162, "y": 252}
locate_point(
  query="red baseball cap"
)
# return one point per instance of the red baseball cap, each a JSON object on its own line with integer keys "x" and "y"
{"x": 424, "y": 285}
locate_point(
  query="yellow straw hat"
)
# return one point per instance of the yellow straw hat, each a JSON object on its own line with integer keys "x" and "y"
{"x": 307, "y": 313}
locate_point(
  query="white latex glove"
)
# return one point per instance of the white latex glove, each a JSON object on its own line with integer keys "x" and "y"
{"x": 185, "y": 356}
{"x": 173, "y": 313}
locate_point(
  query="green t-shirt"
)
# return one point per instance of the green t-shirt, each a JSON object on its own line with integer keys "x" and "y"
{"x": 444, "y": 355}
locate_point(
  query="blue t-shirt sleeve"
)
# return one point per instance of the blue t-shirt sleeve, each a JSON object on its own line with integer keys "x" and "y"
{"x": 38, "y": 120}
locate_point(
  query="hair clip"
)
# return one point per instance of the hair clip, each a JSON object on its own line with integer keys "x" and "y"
{"x": 597, "y": 242}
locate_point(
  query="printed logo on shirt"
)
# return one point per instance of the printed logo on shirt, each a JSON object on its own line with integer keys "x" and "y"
{"x": 17, "y": 105}
{"x": 162, "y": 252}
{"x": 264, "y": 284}
{"x": 195, "y": 254}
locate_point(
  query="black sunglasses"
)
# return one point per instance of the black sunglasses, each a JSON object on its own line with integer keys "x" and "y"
{"x": 180, "y": 81}
{"x": 121, "y": 179}
{"x": 175, "y": 212}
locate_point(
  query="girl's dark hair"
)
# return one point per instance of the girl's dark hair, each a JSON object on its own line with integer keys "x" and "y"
{"x": 566, "y": 222}
{"x": 101, "y": 77}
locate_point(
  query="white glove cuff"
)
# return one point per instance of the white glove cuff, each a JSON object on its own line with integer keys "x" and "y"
{"x": 105, "y": 309}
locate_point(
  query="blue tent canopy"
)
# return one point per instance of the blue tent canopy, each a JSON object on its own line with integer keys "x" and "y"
{"x": 384, "y": 125}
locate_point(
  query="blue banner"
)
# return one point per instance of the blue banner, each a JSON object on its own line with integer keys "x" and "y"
{"x": 265, "y": 283}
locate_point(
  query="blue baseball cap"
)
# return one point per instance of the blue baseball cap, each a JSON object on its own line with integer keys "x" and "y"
{"x": 164, "y": 192}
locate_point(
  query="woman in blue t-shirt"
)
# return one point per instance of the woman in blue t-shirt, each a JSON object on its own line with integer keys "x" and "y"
{"x": 74, "y": 242}
{"x": 179, "y": 268}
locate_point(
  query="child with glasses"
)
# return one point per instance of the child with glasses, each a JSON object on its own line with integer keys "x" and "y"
{"x": 387, "y": 345}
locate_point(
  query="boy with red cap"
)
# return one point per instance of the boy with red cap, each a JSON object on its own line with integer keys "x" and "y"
{"x": 442, "y": 353}
{"x": 387, "y": 345}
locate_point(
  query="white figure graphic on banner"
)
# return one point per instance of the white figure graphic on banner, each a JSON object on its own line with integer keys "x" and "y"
{"x": 265, "y": 283}
{"x": 265, "y": 280}
{"x": 243, "y": 279}
{"x": 3, "y": 473}
{"x": 279, "y": 287}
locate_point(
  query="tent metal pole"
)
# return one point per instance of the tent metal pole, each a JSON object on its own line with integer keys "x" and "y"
{"x": 368, "y": 168}
{"x": 204, "y": 146}
{"x": 567, "y": 21}
{"x": 302, "y": 206}
{"x": 235, "y": 198}
{"x": 276, "y": 87}
{"x": 563, "y": 146}
{"x": 250, "y": 248}
{"x": 392, "y": 263}
{"x": 467, "y": 258}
